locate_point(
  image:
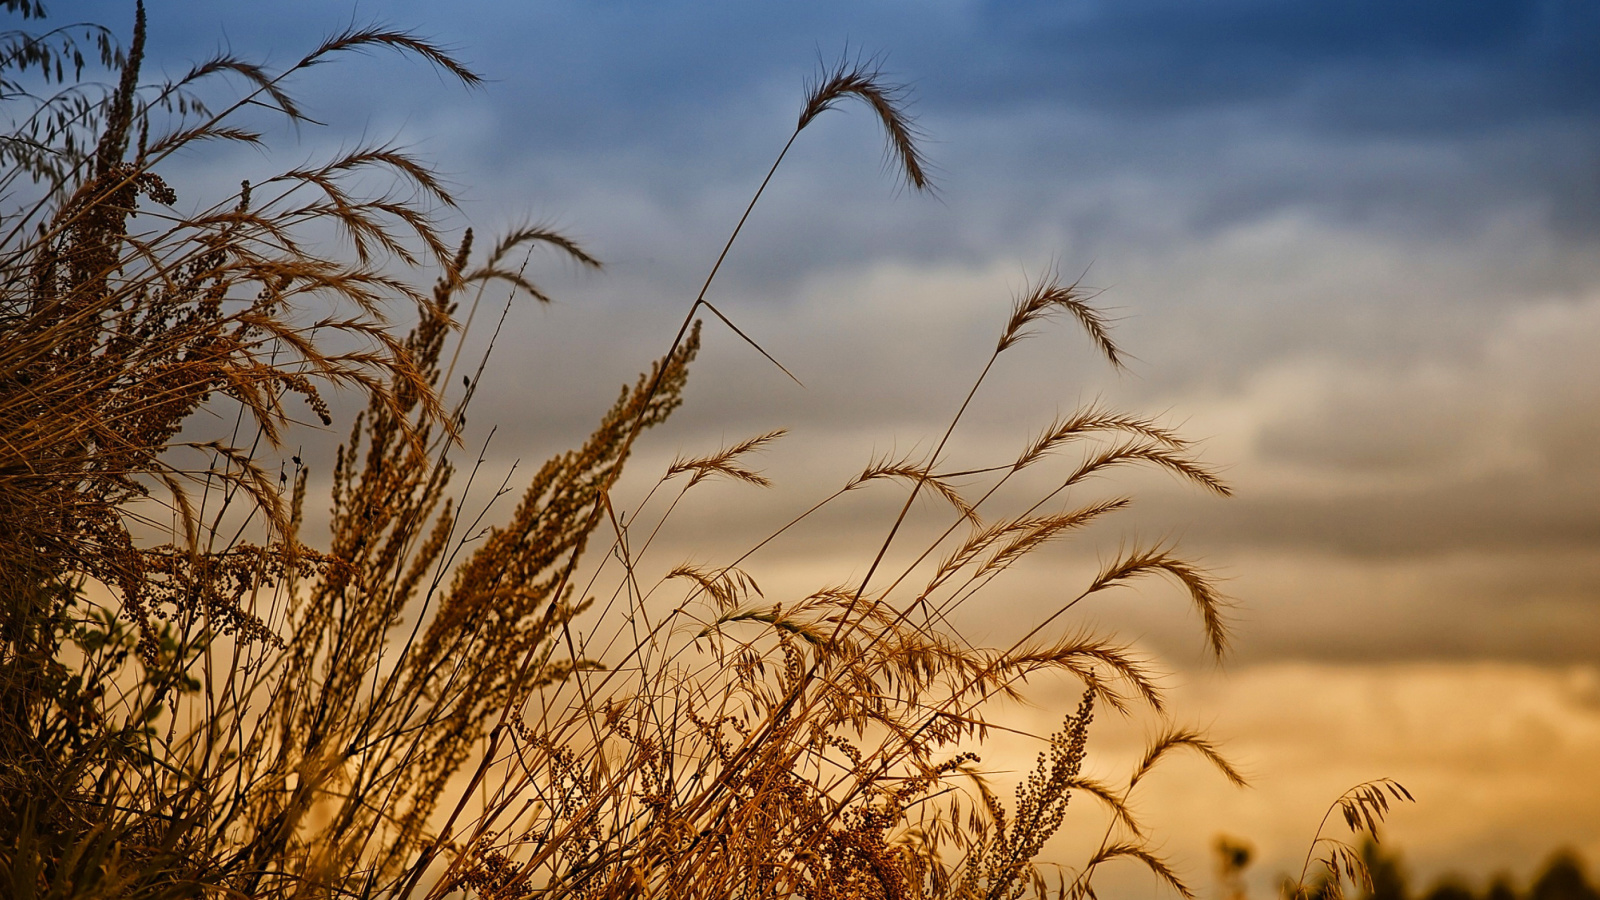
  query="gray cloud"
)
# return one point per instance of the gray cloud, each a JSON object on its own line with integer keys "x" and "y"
{"x": 1352, "y": 242}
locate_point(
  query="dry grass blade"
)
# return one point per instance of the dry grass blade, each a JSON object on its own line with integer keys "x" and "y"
{"x": 1048, "y": 298}
{"x": 1208, "y": 602}
{"x": 1028, "y": 534}
{"x": 241, "y": 466}
{"x": 357, "y": 39}
{"x": 1114, "y": 801}
{"x": 725, "y": 462}
{"x": 1184, "y": 739}
{"x": 539, "y": 234}
{"x": 863, "y": 80}
{"x": 750, "y": 340}
{"x": 392, "y": 160}
{"x": 186, "y": 136}
{"x": 356, "y": 216}
{"x": 1090, "y": 420}
{"x": 524, "y": 236}
{"x": 727, "y": 587}
{"x": 1365, "y": 805}
{"x": 982, "y": 539}
{"x": 1149, "y": 860}
{"x": 1144, "y": 451}
{"x": 918, "y": 475}
{"x": 809, "y": 632}
{"x": 252, "y": 73}
{"x": 494, "y": 269}
{"x": 1363, "y": 808}
{"x": 1088, "y": 658}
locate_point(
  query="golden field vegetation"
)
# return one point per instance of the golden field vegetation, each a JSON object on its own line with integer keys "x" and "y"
{"x": 196, "y": 699}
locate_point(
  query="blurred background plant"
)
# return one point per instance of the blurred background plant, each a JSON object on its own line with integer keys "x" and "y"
{"x": 1563, "y": 876}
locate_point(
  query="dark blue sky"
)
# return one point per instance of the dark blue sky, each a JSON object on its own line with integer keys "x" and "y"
{"x": 1342, "y": 236}
{"x": 1510, "y": 91}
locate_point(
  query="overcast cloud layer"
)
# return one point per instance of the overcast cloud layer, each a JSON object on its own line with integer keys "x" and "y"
{"x": 1352, "y": 245}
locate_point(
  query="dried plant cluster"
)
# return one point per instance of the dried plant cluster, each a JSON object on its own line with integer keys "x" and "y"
{"x": 197, "y": 701}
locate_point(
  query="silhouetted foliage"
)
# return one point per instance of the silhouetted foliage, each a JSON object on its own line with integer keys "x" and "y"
{"x": 1388, "y": 880}
{"x": 1563, "y": 877}
{"x": 1449, "y": 888}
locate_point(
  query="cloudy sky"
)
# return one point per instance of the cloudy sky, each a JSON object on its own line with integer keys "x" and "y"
{"x": 1351, "y": 246}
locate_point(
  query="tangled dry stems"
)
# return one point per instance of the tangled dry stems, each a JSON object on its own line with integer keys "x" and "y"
{"x": 433, "y": 704}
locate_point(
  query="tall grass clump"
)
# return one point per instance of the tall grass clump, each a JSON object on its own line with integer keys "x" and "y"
{"x": 198, "y": 700}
